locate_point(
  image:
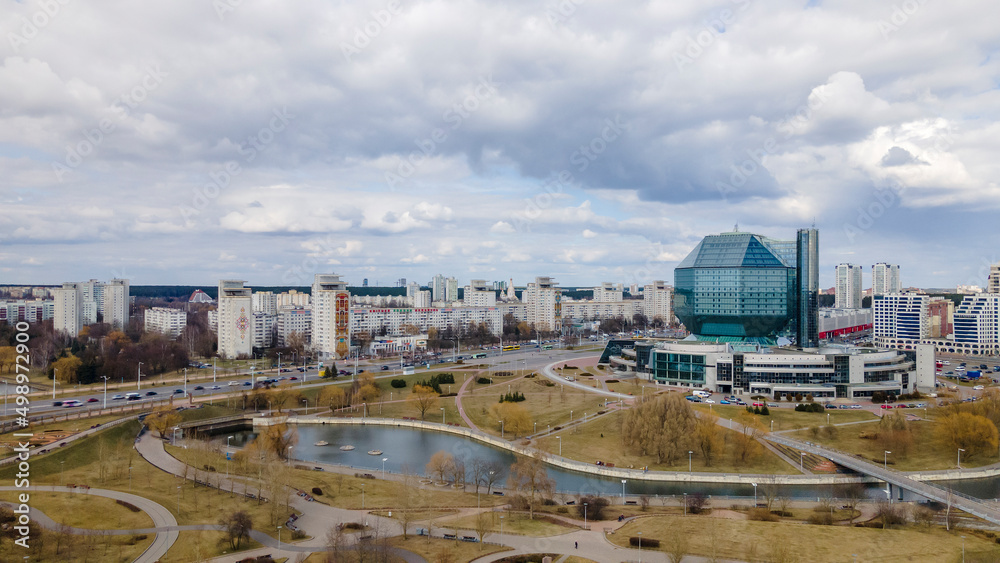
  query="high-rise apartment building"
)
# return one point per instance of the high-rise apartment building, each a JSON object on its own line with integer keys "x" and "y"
{"x": 993, "y": 283}
{"x": 265, "y": 302}
{"x": 438, "y": 288}
{"x": 977, "y": 322}
{"x": 68, "y": 314}
{"x": 115, "y": 301}
{"x": 294, "y": 320}
{"x": 885, "y": 279}
{"x": 608, "y": 291}
{"x": 331, "y": 311}
{"x": 900, "y": 316}
{"x": 658, "y": 300}
{"x": 84, "y": 303}
{"x": 848, "y": 278}
{"x": 235, "y": 319}
{"x": 166, "y": 321}
{"x": 263, "y": 329}
{"x": 543, "y": 300}
{"x": 451, "y": 290}
{"x": 807, "y": 281}
{"x": 479, "y": 293}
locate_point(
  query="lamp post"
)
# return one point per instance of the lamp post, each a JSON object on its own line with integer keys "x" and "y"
{"x": 362, "y": 496}
{"x": 623, "y": 490}
{"x": 959, "y": 462}
{"x": 106, "y": 378}
{"x": 640, "y": 547}
{"x": 138, "y": 378}
{"x": 689, "y": 460}
{"x": 802, "y": 456}
{"x": 963, "y": 549}
{"x": 54, "y": 372}
{"x": 501, "y": 429}
{"x": 130, "y": 478}
{"x": 288, "y": 459}
{"x": 279, "y": 538}
{"x": 178, "y": 500}
{"x": 185, "y": 382}
{"x": 560, "y": 445}
{"x": 442, "y": 415}
{"x": 384, "y": 459}
{"x": 584, "y": 516}
{"x": 227, "y": 456}
{"x": 685, "y": 504}
{"x": 885, "y": 459}
{"x": 501, "y": 529}
{"x": 754, "y": 494}
{"x": 213, "y": 370}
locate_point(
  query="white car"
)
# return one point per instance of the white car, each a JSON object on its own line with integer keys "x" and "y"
{"x": 710, "y": 401}
{"x": 979, "y": 388}
{"x": 233, "y": 383}
{"x": 946, "y": 363}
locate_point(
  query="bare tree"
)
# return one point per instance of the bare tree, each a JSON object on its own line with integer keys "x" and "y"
{"x": 237, "y": 526}
{"x": 677, "y": 547}
{"x": 484, "y": 525}
{"x": 529, "y": 476}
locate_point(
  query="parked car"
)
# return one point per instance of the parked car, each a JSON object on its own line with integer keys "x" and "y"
{"x": 979, "y": 388}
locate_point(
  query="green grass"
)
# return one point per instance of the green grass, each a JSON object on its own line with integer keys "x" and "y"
{"x": 81, "y": 510}
{"x": 513, "y": 522}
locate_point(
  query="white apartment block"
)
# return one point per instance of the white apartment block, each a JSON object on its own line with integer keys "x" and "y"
{"x": 292, "y": 298}
{"x": 544, "y": 304}
{"x": 67, "y": 317}
{"x": 166, "y": 321}
{"x": 848, "y": 286}
{"x": 420, "y": 298}
{"x": 115, "y": 303}
{"x": 34, "y": 311}
{"x": 331, "y": 316}
{"x": 451, "y": 290}
{"x": 235, "y": 319}
{"x": 607, "y": 292}
{"x": 263, "y": 329}
{"x": 658, "y": 301}
{"x": 518, "y": 310}
{"x": 373, "y": 320}
{"x": 900, "y": 316}
{"x": 438, "y": 288}
{"x": 885, "y": 279}
{"x": 294, "y": 319}
{"x": 977, "y": 321}
{"x": 993, "y": 284}
{"x": 600, "y": 310}
{"x": 81, "y": 303}
{"x": 265, "y": 302}
{"x": 479, "y": 293}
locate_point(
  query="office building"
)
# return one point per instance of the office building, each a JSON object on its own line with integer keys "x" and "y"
{"x": 900, "y": 316}
{"x": 835, "y": 322}
{"x": 807, "y": 282}
{"x": 331, "y": 312}
{"x": 543, "y": 300}
{"x": 848, "y": 277}
{"x": 736, "y": 285}
{"x": 235, "y": 319}
{"x": 885, "y": 279}
{"x": 977, "y": 323}
{"x": 166, "y": 321}
{"x": 657, "y": 301}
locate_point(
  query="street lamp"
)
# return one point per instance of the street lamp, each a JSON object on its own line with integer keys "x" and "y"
{"x": 689, "y": 460}
{"x": 959, "y": 462}
{"x": 227, "y": 456}
{"x": 138, "y": 378}
{"x": 623, "y": 489}
{"x": 501, "y": 529}
{"x": 55, "y": 371}
{"x": 754, "y": 494}
{"x": 685, "y": 504}
{"x": 963, "y": 549}
{"x": 178, "y": 500}
{"x": 802, "y": 456}
{"x": 501, "y": 429}
{"x": 279, "y": 538}
{"x": 584, "y": 516}
{"x": 640, "y": 547}
{"x": 885, "y": 459}
{"x": 384, "y": 459}
{"x": 106, "y": 378}
{"x": 560, "y": 445}
{"x": 289, "y": 458}
{"x": 362, "y": 496}
{"x": 442, "y": 415}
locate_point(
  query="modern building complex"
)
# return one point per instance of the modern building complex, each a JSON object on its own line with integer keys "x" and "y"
{"x": 235, "y": 320}
{"x": 900, "y": 316}
{"x": 331, "y": 312}
{"x": 835, "y": 371}
{"x": 977, "y": 324}
{"x": 737, "y": 285}
{"x": 166, "y": 321}
{"x": 885, "y": 279}
{"x": 849, "y": 286}
{"x": 84, "y": 303}
{"x": 974, "y": 328}
{"x": 543, "y": 302}
{"x": 835, "y": 322}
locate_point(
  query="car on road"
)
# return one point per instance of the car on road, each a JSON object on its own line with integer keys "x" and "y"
{"x": 233, "y": 383}
{"x": 150, "y": 393}
{"x": 178, "y": 391}
{"x": 710, "y": 401}
{"x": 93, "y": 400}
{"x": 71, "y": 403}
{"x": 57, "y": 403}
{"x": 385, "y": 368}
{"x": 199, "y": 388}
{"x": 247, "y": 384}
{"x": 724, "y": 402}
{"x": 216, "y": 388}
{"x": 979, "y": 388}
{"x": 117, "y": 397}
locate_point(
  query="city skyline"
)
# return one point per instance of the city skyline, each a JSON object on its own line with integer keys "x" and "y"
{"x": 587, "y": 142}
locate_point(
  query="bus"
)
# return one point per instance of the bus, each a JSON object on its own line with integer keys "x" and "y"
{"x": 479, "y": 355}
{"x": 509, "y": 348}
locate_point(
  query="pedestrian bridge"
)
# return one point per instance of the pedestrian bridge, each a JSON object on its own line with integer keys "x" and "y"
{"x": 977, "y": 507}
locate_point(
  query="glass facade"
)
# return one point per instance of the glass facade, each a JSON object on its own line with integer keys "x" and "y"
{"x": 807, "y": 279}
{"x": 679, "y": 368}
{"x": 735, "y": 284}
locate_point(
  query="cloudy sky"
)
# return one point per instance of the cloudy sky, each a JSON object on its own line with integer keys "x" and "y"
{"x": 589, "y": 140}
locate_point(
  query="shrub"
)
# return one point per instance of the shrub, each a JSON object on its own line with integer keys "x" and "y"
{"x": 317, "y": 491}
{"x": 821, "y": 519}
{"x": 562, "y": 510}
{"x": 352, "y": 526}
{"x": 595, "y": 507}
{"x": 765, "y": 411}
{"x": 512, "y": 397}
{"x": 398, "y": 383}
{"x": 761, "y": 514}
{"x": 611, "y": 381}
{"x": 646, "y": 542}
{"x": 548, "y": 502}
{"x": 298, "y": 535}
{"x": 483, "y": 380}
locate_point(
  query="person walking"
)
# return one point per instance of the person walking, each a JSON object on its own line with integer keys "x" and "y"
{"x": 576, "y": 545}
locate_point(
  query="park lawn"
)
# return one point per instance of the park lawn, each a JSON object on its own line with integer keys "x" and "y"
{"x": 785, "y": 417}
{"x": 417, "y": 515}
{"x": 406, "y": 409}
{"x": 53, "y": 546}
{"x": 80, "y": 510}
{"x": 513, "y": 523}
{"x": 600, "y": 439}
{"x": 201, "y": 545}
{"x": 747, "y": 540}
{"x": 547, "y": 406}
{"x": 66, "y": 427}
{"x": 432, "y": 549}
{"x": 926, "y": 453}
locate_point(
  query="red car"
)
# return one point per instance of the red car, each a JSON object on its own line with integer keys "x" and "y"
{"x": 93, "y": 400}
{"x": 885, "y": 406}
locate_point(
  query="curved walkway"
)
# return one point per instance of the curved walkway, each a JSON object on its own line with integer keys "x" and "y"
{"x": 164, "y": 524}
